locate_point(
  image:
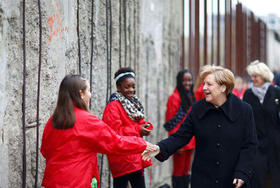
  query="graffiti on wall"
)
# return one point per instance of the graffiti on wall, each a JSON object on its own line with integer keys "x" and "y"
{"x": 56, "y": 24}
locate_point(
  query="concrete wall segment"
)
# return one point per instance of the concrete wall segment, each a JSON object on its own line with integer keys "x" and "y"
{"x": 4, "y": 162}
{"x": 146, "y": 37}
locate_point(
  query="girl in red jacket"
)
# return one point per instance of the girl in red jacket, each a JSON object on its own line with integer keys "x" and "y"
{"x": 198, "y": 89}
{"x": 73, "y": 136}
{"x": 178, "y": 106}
{"x": 125, "y": 114}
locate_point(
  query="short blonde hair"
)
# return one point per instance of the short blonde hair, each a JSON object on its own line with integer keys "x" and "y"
{"x": 260, "y": 69}
{"x": 222, "y": 75}
{"x": 238, "y": 83}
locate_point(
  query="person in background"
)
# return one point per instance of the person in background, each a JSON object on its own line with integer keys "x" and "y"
{"x": 264, "y": 99}
{"x": 198, "y": 89}
{"x": 178, "y": 105}
{"x": 239, "y": 87}
{"x": 125, "y": 114}
{"x": 225, "y": 135}
{"x": 73, "y": 136}
{"x": 276, "y": 80}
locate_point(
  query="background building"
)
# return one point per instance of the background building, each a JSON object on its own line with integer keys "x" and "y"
{"x": 273, "y": 44}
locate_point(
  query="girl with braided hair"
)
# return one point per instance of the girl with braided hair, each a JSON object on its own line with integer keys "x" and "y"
{"x": 125, "y": 114}
{"x": 178, "y": 106}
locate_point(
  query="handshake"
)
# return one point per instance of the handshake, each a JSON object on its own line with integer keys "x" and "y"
{"x": 150, "y": 151}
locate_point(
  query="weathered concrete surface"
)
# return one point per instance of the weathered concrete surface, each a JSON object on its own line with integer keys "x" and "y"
{"x": 145, "y": 35}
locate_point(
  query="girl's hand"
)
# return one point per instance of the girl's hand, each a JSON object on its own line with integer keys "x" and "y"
{"x": 144, "y": 131}
{"x": 238, "y": 182}
{"x": 150, "y": 151}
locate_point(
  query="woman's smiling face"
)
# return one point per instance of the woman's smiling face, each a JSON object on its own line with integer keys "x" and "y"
{"x": 212, "y": 90}
{"x": 257, "y": 80}
{"x": 187, "y": 81}
{"x": 127, "y": 87}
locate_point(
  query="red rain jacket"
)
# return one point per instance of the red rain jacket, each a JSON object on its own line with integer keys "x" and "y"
{"x": 116, "y": 117}
{"x": 199, "y": 94}
{"x": 173, "y": 104}
{"x": 239, "y": 93}
{"x": 71, "y": 153}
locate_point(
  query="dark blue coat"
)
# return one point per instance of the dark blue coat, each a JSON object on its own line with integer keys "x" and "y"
{"x": 277, "y": 79}
{"x": 225, "y": 142}
{"x": 267, "y": 121}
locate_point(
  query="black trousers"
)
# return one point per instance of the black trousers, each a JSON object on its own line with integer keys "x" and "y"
{"x": 136, "y": 180}
{"x": 181, "y": 181}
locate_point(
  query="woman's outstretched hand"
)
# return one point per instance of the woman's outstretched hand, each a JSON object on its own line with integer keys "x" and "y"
{"x": 150, "y": 151}
{"x": 238, "y": 182}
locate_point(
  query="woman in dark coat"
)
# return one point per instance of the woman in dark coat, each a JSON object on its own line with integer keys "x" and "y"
{"x": 264, "y": 99}
{"x": 224, "y": 131}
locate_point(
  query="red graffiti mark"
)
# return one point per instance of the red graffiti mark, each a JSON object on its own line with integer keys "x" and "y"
{"x": 56, "y": 24}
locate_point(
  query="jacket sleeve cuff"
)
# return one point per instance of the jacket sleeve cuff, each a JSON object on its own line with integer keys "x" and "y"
{"x": 162, "y": 156}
